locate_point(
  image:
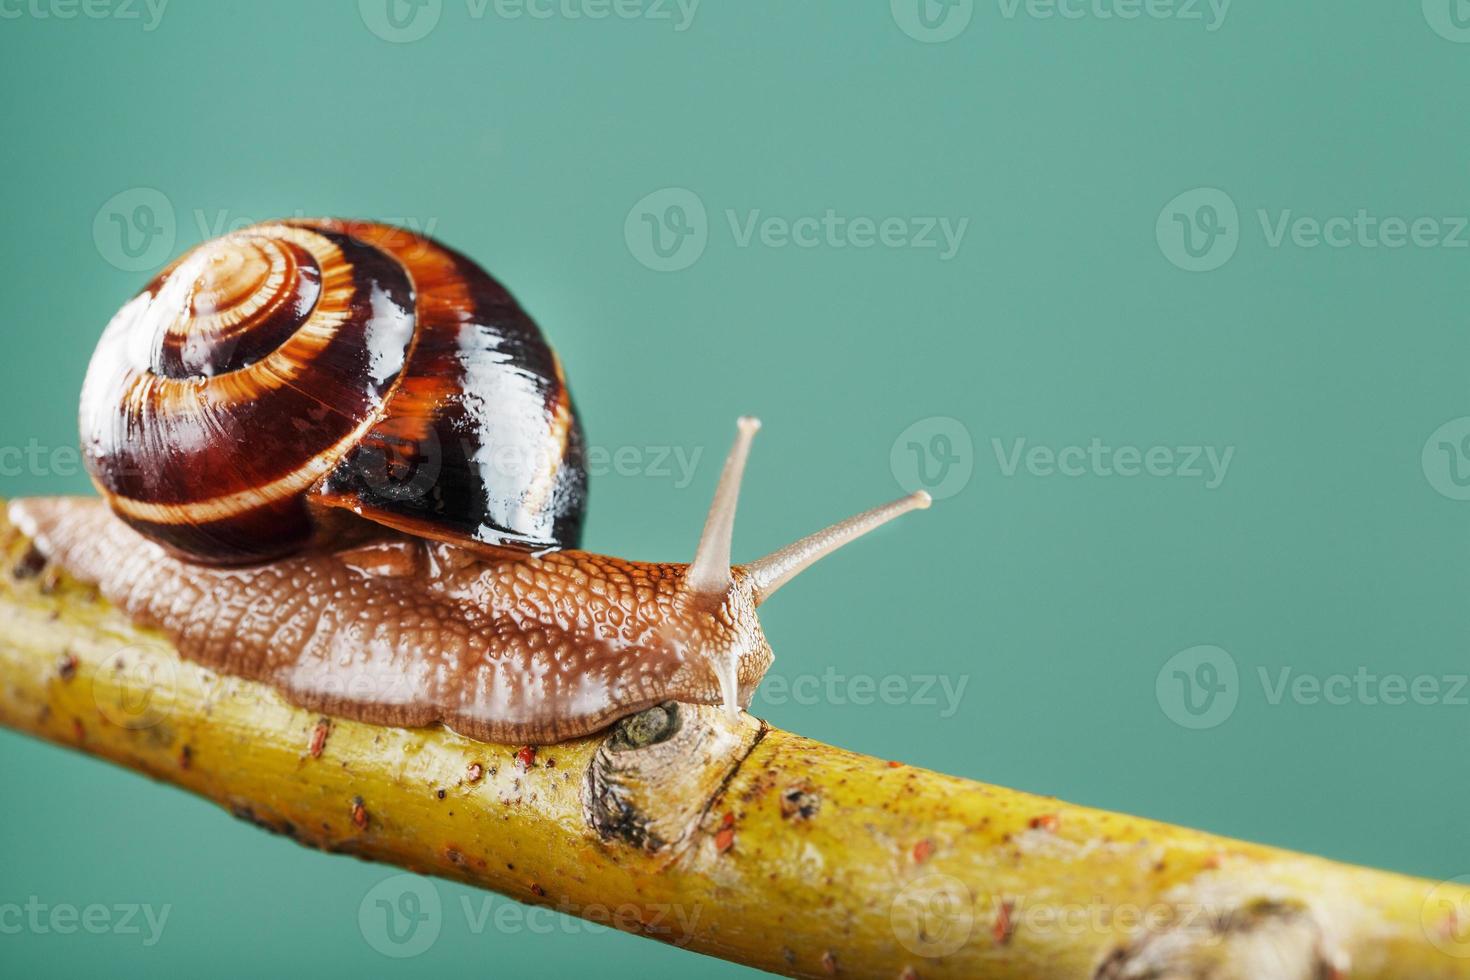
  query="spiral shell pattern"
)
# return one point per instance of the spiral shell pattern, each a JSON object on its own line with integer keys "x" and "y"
{"x": 269, "y": 382}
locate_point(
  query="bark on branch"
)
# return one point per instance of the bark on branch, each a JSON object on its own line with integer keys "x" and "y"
{"x": 729, "y": 838}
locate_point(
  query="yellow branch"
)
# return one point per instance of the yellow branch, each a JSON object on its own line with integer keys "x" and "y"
{"x": 728, "y": 838}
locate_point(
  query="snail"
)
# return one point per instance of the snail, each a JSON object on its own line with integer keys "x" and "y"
{"x": 338, "y": 458}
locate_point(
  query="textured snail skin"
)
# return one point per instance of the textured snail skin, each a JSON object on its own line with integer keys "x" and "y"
{"x": 269, "y": 382}
{"x": 409, "y": 632}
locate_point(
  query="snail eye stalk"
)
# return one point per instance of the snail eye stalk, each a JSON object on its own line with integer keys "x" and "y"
{"x": 709, "y": 573}
{"x": 776, "y": 569}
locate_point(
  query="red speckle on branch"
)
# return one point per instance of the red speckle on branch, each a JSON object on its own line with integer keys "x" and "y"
{"x": 319, "y": 738}
{"x": 359, "y": 813}
{"x": 922, "y": 850}
{"x": 1002, "y": 930}
{"x": 725, "y": 837}
{"x": 474, "y": 773}
{"x": 1048, "y": 822}
{"x": 526, "y": 757}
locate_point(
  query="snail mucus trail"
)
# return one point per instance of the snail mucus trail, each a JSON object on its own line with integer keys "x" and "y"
{"x": 237, "y": 419}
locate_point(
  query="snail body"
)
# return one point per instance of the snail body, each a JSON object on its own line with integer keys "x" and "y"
{"x": 359, "y": 550}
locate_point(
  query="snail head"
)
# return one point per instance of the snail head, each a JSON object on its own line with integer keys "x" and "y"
{"x": 715, "y": 630}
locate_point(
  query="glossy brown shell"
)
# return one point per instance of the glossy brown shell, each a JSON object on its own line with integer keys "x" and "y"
{"x": 278, "y": 376}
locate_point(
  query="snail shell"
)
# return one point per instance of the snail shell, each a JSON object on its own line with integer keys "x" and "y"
{"x": 270, "y": 383}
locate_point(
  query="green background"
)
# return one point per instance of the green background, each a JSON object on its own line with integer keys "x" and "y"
{"x": 526, "y": 142}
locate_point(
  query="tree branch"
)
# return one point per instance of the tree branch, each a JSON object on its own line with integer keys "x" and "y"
{"x": 726, "y": 837}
